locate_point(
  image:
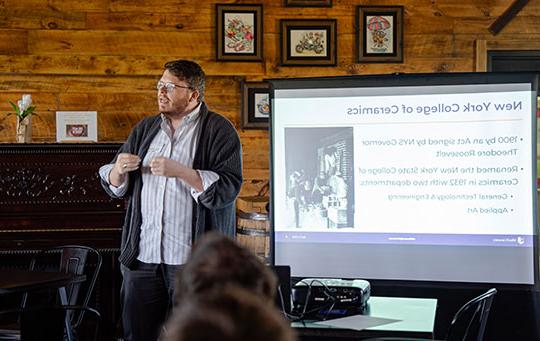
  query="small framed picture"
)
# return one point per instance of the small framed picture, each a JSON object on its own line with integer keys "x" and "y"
{"x": 380, "y": 34}
{"x": 76, "y": 126}
{"x": 239, "y": 32}
{"x": 309, "y": 42}
{"x": 255, "y": 105}
{"x": 308, "y": 3}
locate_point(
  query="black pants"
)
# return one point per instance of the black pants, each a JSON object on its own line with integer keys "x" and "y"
{"x": 147, "y": 297}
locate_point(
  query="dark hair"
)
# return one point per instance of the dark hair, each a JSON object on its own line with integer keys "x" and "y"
{"x": 217, "y": 261}
{"x": 232, "y": 314}
{"x": 190, "y": 72}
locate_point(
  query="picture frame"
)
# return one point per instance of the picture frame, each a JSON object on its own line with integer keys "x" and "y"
{"x": 308, "y": 3}
{"x": 379, "y": 37}
{"x": 239, "y": 32}
{"x": 308, "y": 42}
{"x": 255, "y": 105}
{"x": 76, "y": 126}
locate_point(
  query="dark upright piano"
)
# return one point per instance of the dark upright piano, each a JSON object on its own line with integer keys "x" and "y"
{"x": 50, "y": 194}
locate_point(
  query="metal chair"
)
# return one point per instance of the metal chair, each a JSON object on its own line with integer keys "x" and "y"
{"x": 73, "y": 259}
{"x": 48, "y": 323}
{"x": 468, "y": 324}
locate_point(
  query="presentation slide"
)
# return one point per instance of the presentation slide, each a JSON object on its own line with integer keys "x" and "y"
{"x": 431, "y": 183}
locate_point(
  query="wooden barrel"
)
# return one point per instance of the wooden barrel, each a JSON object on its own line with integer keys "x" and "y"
{"x": 253, "y": 231}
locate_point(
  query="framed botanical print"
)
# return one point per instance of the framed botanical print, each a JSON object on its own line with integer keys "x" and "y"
{"x": 308, "y": 3}
{"x": 239, "y": 32}
{"x": 255, "y": 105}
{"x": 379, "y": 36}
{"x": 309, "y": 42}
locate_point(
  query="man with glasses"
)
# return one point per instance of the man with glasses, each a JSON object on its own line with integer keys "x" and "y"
{"x": 181, "y": 171}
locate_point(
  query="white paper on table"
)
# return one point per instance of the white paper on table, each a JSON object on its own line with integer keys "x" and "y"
{"x": 357, "y": 322}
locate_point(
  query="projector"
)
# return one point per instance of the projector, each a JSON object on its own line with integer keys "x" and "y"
{"x": 320, "y": 298}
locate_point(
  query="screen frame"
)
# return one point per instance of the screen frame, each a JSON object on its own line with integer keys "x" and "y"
{"x": 408, "y": 80}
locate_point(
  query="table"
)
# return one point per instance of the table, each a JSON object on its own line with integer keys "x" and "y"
{"x": 14, "y": 281}
{"x": 417, "y": 317}
{"x": 17, "y": 281}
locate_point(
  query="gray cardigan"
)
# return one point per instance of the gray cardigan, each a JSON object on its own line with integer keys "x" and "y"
{"x": 218, "y": 150}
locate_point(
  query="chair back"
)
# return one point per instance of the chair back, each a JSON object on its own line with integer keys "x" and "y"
{"x": 73, "y": 259}
{"x": 469, "y": 323}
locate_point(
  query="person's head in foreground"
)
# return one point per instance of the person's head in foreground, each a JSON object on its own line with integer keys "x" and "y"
{"x": 217, "y": 261}
{"x": 231, "y": 314}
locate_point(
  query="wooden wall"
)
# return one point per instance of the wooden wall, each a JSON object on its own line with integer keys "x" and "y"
{"x": 106, "y": 55}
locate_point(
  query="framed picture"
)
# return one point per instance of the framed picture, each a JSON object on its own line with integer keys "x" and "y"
{"x": 308, "y": 3}
{"x": 255, "y": 105}
{"x": 309, "y": 42}
{"x": 239, "y": 32}
{"x": 380, "y": 34}
{"x": 76, "y": 126}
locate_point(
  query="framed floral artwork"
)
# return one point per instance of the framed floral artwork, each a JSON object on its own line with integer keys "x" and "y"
{"x": 379, "y": 36}
{"x": 239, "y": 31}
{"x": 255, "y": 105}
{"x": 308, "y": 3}
{"x": 309, "y": 42}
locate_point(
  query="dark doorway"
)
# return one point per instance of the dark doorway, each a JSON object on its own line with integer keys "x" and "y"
{"x": 514, "y": 61}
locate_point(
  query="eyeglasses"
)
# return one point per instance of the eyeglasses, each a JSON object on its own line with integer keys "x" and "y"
{"x": 170, "y": 86}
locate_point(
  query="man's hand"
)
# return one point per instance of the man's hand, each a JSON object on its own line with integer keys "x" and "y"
{"x": 125, "y": 163}
{"x": 166, "y": 167}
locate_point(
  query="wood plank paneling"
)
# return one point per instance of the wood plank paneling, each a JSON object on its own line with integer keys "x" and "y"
{"x": 113, "y": 65}
{"x": 45, "y": 99}
{"x": 56, "y": 5}
{"x": 106, "y": 55}
{"x": 143, "y": 102}
{"x": 46, "y": 19}
{"x": 126, "y": 43}
{"x": 152, "y": 21}
{"x": 164, "y": 6}
{"x": 65, "y": 84}
{"x": 255, "y": 152}
{"x": 13, "y": 42}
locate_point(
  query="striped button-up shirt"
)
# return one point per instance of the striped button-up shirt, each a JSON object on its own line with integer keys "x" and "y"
{"x": 166, "y": 202}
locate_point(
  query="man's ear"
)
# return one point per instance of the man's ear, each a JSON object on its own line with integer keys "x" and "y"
{"x": 195, "y": 95}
